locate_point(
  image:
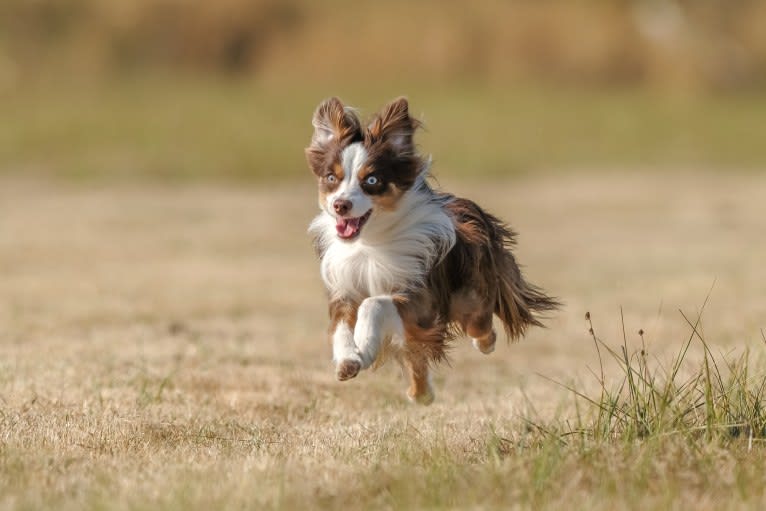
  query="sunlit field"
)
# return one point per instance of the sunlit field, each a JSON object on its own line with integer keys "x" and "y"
{"x": 163, "y": 344}
{"x": 163, "y": 325}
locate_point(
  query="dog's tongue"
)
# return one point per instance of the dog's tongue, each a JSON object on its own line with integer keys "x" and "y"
{"x": 347, "y": 227}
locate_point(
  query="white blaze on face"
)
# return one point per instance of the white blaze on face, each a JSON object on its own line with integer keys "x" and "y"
{"x": 352, "y": 159}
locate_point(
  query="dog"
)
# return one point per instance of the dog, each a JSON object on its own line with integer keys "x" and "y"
{"x": 407, "y": 268}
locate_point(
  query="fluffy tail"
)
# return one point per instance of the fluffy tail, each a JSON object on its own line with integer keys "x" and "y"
{"x": 483, "y": 257}
{"x": 519, "y": 304}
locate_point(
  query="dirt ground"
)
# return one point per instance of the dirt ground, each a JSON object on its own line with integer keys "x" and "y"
{"x": 164, "y": 346}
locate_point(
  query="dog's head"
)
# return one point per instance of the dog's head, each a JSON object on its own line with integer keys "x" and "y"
{"x": 362, "y": 171}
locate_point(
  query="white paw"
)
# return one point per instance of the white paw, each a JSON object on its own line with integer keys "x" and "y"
{"x": 486, "y": 345}
{"x": 348, "y": 368}
{"x": 424, "y": 398}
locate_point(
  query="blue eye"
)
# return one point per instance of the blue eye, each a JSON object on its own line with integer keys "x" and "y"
{"x": 371, "y": 180}
{"x": 330, "y": 178}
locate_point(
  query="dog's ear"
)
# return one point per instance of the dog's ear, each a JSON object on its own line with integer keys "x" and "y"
{"x": 394, "y": 126}
{"x": 333, "y": 121}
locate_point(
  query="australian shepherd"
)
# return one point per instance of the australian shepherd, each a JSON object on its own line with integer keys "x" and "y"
{"x": 407, "y": 268}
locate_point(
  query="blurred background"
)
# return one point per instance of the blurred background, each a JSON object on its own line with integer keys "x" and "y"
{"x": 184, "y": 89}
{"x": 162, "y": 317}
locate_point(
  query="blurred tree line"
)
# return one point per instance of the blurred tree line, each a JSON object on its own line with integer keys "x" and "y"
{"x": 686, "y": 44}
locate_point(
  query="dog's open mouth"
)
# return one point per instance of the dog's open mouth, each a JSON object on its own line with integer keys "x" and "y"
{"x": 349, "y": 228}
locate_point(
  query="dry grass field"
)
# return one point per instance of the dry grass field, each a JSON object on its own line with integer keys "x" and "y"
{"x": 163, "y": 347}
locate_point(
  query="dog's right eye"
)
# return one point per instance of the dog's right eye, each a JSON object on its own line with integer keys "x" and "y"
{"x": 330, "y": 178}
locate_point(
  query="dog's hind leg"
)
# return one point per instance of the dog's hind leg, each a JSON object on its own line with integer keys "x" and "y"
{"x": 420, "y": 390}
{"x": 479, "y": 329}
{"x": 377, "y": 320}
{"x": 474, "y": 315}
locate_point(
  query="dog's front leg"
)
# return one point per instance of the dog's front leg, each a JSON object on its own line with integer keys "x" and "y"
{"x": 377, "y": 320}
{"x": 347, "y": 360}
{"x": 346, "y": 356}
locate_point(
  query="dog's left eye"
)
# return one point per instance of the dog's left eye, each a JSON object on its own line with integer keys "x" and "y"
{"x": 331, "y": 178}
{"x": 371, "y": 180}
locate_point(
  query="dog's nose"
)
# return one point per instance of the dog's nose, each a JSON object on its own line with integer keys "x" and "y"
{"x": 342, "y": 206}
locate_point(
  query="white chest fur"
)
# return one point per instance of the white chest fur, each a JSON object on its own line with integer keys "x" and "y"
{"x": 357, "y": 270}
{"x": 395, "y": 251}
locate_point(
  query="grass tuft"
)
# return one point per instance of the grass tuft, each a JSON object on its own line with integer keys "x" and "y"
{"x": 718, "y": 398}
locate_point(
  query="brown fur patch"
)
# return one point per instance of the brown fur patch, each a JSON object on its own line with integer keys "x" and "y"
{"x": 388, "y": 191}
{"x": 391, "y": 155}
{"x": 426, "y": 331}
{"x": 394, "y": 125}
{"x": 342, "y": 311}
{"x": 389, "y": 200}
{"x": 479, "y": 277}
{"x": 417, "y": 367}
{"x": 331, "y": 118}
